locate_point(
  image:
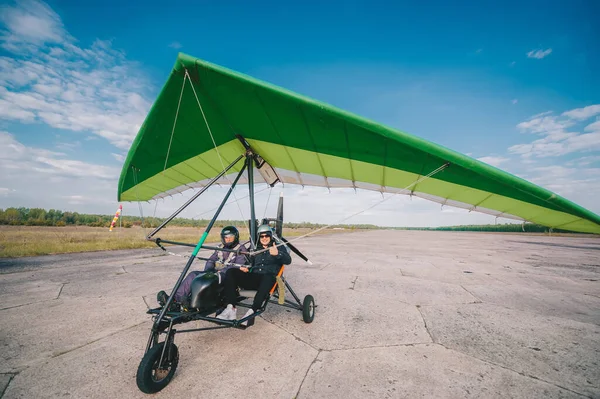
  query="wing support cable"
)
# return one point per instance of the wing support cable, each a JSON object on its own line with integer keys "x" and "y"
{"x": 171, "y": 140}
{"x": 213, "y": 180}
{"x": 439, "y": 169}
{"x": 239, "y": 199}
{"x": 214, "y": 143}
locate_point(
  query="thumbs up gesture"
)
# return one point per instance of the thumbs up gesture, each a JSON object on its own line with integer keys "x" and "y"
{"x": 273, "y": 250}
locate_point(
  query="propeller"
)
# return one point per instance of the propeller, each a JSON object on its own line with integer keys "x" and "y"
{"x": 279, "y": 221}
{"x": 279, "y": 231}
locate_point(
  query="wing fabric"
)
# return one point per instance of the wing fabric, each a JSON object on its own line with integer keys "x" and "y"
{"x": 312, "y": 143}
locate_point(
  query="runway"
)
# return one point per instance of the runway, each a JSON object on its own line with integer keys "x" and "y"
{"x": 399, "y": 314}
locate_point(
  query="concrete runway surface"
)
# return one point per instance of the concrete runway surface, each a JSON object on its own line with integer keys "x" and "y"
{"x": 400, "y": 314}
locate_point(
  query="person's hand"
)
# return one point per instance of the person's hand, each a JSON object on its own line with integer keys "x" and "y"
{"x": 273, "y": 250}
{"x": 244, "y": 269}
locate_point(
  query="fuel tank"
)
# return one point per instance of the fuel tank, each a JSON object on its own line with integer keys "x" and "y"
{"x": 205, "y": 291}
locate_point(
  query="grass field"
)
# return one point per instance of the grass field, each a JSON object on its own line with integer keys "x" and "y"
{"x": 18, "y": 241}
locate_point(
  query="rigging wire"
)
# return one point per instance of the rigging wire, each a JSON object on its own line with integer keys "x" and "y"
{"x": 444, "y": 166}
{"x": 215, "y": 144}
{"x": 175, "y": 122}
{"x": 186, "y": 77}
{"x": 239, "y": 199}
{"x": 166, "y": 159}
{"x": 267, "y": 205}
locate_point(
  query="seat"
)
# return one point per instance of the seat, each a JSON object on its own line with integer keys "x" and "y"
{"x": 252, "y": 293}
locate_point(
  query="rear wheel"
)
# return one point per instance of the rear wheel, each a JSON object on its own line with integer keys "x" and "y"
{"x": 308, "y": 309}
{"x": 152, "y": 377}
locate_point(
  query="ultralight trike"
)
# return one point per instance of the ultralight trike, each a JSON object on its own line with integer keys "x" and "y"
{"x": 161, "y": 356}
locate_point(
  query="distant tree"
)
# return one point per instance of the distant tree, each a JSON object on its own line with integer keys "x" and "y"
{"x": 12, "y": 216}
{"x": 36, "y": 216}
{"x": 68, "y": 218}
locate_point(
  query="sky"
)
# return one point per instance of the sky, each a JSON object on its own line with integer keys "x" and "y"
{"x": 514, "y": 84}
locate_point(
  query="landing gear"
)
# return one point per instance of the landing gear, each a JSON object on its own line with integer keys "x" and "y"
{"x": 157, "y": 367}
{"x": 308, "y": 309}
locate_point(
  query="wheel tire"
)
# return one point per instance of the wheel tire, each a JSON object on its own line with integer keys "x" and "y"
{"x": 308, "y": 309}
{"x": 147, "y": 379}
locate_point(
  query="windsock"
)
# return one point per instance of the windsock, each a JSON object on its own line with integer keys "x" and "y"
{"x": 117, "y": 214}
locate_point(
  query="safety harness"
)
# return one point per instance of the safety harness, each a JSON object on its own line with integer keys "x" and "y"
{"x": 222, "y": 263}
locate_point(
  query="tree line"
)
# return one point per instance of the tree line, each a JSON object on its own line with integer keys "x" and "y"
{"x": 53, "y": 217}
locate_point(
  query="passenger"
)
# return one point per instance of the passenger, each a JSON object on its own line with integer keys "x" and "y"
{"x": 261, "y": 276}
{"x": 219, "y": 261}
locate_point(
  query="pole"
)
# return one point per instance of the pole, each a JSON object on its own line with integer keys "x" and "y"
{"x": 250, "y": 166}
{"x": 196, "y": 250}
{"x": 214, "y": 179}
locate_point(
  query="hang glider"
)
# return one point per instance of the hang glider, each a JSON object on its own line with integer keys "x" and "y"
{"x": 206, "y": 115}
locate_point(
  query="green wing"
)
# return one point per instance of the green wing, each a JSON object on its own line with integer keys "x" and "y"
{"x": 311, "y": 143}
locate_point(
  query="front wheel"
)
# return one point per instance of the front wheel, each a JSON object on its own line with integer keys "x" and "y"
{"x": 152, "y": 377}
{"x": 308, "y": 309}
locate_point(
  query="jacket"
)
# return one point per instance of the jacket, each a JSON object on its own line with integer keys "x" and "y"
{"x": 265, "y": 263}
{"x": 221, "y": 261}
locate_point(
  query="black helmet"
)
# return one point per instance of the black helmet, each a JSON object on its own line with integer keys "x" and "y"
{"x": 230, "y": 230}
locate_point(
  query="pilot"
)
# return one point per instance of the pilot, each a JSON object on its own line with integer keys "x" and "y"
{"x": 219, "y": 261}
{"x": 261, "y": 276}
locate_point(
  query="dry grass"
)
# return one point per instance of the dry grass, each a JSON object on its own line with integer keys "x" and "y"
{"x": 18, "y": 241}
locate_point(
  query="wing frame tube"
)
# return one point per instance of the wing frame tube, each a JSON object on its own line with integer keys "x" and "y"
{"x": 178, "y": 211}
{"x": 158, "y": 320}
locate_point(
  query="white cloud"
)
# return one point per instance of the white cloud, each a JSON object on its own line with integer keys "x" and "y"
{"x": 31, "y": 22}
{"x": 593, "y": 126}
{"x": 10, "y": 111}
{"x": 28, "y": 161}
{"x": 175, "y": 45}
{"x": 51, "y": 80}
{"x": 35, "y": 177}
{"x": 556, "y": 139}
{"x": 583, "y": 113}
{"x": 118, "y": 157}
{"x": 76, "y": 199}
{"x": 4, "y": 191}
{"x": 539, "y": 54}
{"x": 547, "y": 147}
{"x": 544, "y": 124}
{"x": 584, "y": 161}
{"x": 494, "y": 161}
{"x": 570, "y": 182}
{"x": 539, "y": 115}
{"x": 68, "y": 146}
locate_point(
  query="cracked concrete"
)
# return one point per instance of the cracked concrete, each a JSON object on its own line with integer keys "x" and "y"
{"x": 60, "y": 290}
{"x": 5, "y": 379}
{"x": 425, "y": 324}
{"x": 307, "y": 371}
{"x": 524, "y": 321}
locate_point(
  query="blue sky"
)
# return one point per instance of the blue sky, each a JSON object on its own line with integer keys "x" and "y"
{"x": 515, "y": 85}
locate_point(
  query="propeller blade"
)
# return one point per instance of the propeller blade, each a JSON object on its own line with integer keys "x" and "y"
{"x": 296, "y": 251}
{"x": 279, "y": 222}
